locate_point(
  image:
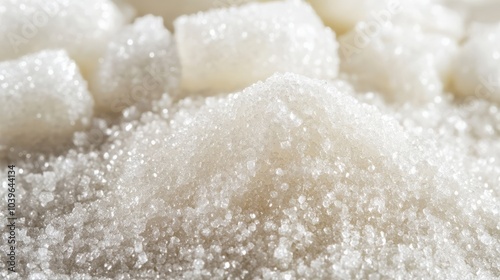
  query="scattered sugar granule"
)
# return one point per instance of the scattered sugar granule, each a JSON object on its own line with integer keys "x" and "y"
{"x": 229, "y": 49}
{"x": 140, "y": 64}
{"x": 43, "y": 100}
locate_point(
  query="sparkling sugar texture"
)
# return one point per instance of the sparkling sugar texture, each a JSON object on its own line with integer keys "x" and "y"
{"x": 291, "y": 178}
{"x": 80, "y": 27}
{"x": 229, "y": 49}
{"x": 43, "y": 99}
{"x": 379, "y": 174}
{"x": 401, "y": 63}
{"x": 140, "y": 65}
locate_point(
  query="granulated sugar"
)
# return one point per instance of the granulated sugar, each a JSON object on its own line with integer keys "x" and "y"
{"x": 388, "y": 167}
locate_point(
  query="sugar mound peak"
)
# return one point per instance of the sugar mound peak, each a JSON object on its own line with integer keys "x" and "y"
{"x": 286, "y": 201}
{"x": 43, "y": 99}
{"x": 229, "y": 49}
{"x": 278, "y": 124}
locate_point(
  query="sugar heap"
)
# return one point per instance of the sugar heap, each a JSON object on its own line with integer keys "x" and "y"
{"x": 246, "y": 144}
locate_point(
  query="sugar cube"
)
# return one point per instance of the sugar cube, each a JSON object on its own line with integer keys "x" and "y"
{"x": 477, "y": 71}
{"x": 139, "y": 65}
{"x": 81, "y": 28}
{"x": 228, "y": 49}
{"x": 43, "y": 100}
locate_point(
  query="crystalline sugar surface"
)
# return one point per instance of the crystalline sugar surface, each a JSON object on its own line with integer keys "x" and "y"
{"x": 43, "y": 99}
{"x": 274, "y": 124}
{"x": 428, "y": 15}
{"x": 294, "y": 169}
{"x": 80, "y": 27}
{"x": 289, "y": 178}
{"x": 228, "y": 49}
{"x": 342, "y": 15}
{"x": 140, "y": 64}
{"x": 403, "y": 66}
{"x": 170, "y": 10}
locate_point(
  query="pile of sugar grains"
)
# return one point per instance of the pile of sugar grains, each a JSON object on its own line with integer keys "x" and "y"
{"x": 253, "y": 142}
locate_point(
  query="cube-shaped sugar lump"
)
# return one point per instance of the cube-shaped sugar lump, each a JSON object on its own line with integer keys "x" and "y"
{"x": 403, "y": 64}
{"x": 170, "y": 10}
{"x": 229, "y": 49}
{"x": 43, "y": 100}
{"x": 477, "y": 70}
{"x": 139, "y": 65}
{"x": 428, "y": 15}
{"x": 82, "y": 28}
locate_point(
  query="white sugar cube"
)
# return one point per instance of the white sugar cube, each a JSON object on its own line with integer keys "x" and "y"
{"x": 403, "y": 64}
{"x": 228, "y": 49}
{"x": 170, "y": 10}
{"x": 140, "y": 64}
{"x": 477, "y": 11}
{"x": 43, "y": 99}
{"x": 80, "y": 27}
{"x": 477, "y": 72}
{"x": 344, "y": 15}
